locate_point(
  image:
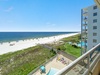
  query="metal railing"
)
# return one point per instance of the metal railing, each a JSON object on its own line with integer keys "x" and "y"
{"x": 84, "y": 64}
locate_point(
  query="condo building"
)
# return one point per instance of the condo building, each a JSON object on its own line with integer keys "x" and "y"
{"x": 89, "y": 62}
{"x": 90, "y": 27}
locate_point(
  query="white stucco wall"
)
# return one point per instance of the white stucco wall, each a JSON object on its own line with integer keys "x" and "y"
{"x": 90, "y": 27}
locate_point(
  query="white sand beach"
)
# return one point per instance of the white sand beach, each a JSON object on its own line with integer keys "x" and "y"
{"x": 23, "y": 44}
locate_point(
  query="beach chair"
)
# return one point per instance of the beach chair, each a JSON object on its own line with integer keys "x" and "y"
{"x": 65, "y": 62}
{"x": 62, "y": 59}
{"x": 58, "y": 58}
{"x": 42, "y": 69}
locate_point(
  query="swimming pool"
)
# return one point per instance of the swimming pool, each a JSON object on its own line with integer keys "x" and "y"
{"x": 52, "y": 71}
{"x": 83, "y": 44}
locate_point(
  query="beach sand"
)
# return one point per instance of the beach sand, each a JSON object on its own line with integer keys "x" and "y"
{"x": 23, "y": 44}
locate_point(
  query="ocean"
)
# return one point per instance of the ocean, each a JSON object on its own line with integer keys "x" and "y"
{"x": 15, "y": 36}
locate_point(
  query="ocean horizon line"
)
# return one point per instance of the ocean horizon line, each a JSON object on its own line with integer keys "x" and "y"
{"x": 16, "y": 36}
{"x": 40, "y": 31}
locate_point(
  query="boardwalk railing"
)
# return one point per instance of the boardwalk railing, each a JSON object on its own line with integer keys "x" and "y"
{"x": 84, "y": 64}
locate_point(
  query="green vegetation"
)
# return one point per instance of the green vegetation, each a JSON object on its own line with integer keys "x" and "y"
{"x": 75, "y": 51}
{"x": 24, "y": 61}
{"x": 75, "y": 39}
{"x": 69, "y": 48}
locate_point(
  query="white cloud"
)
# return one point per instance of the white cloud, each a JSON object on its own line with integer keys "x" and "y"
{"x": 9, "y": 9}
{"x": 50, "y": 24}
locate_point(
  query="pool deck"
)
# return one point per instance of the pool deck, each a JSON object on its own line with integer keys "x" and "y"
{"x": 55, "y": 63}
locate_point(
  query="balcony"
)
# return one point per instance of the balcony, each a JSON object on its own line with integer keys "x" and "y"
{"x": 85, "y": 14}
{"x": 84, "y": 30}
{"x": 84, "y": 38}
{"x": 85, "y": 9}
{"x": 84, "y": 24}
{"x": 85, "y": 19}
{"x": 86, "y": 64}
{"x": 84, "y": 34}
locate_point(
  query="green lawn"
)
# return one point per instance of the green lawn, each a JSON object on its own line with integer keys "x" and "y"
{"x": 24, "y": 61}
{"x": 72, "y": 50}
{"x": 75, "y": 51}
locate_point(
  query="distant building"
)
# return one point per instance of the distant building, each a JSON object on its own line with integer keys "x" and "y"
{"x": 90, "y": 27}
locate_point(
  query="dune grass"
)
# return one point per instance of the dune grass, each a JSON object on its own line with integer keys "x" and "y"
{"x": 24, "y": 61}
{"x": 75, "y": 38}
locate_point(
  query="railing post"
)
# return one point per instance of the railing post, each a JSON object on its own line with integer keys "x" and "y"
{"x": 81, "y": 30}
{"x": 88, "y": 63}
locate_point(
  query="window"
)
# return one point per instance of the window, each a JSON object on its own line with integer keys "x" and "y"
{"x": 95, "y": 20}
{"x": 94, "y": 27}
{"x": 94, "y": 34}
{"x": 95, "y": 7}
{"x": 95, "y": 14}
{"x": 94, "y": 41}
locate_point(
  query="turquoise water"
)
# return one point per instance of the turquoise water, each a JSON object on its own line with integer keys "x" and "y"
{"x": 52, "y": 71}
{"x": 83, "y": 44}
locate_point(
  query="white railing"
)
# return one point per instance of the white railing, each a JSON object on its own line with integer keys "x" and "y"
{"x": 91, "y": 57}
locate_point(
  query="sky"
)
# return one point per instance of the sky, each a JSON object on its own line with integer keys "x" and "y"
{"x": 41, "y": 15}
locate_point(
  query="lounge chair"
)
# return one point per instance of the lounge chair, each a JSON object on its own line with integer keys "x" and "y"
{"x": 42, "y": 69}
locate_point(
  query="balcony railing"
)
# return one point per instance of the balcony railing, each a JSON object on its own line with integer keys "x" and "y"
{"x": 85, "y": 24}
{"x": 84, "y": 39}
{"x": 85, "y": 30}
{"x": 84, "y": 33}
{"x": 85, "y": 14}
{"x": 84, "y": 64}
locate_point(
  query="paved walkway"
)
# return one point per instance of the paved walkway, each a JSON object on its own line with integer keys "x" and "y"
{"x": 55, "y": 63}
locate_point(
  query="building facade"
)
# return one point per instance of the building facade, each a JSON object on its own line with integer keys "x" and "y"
{"x": 90, "y": 27}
